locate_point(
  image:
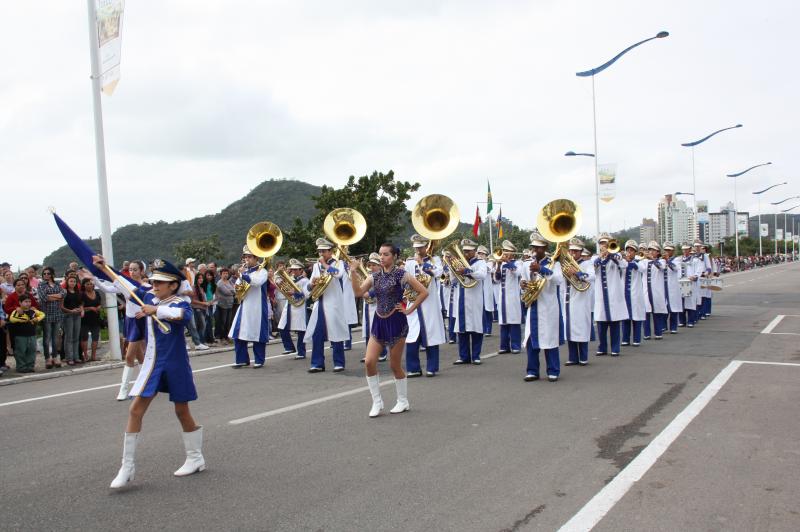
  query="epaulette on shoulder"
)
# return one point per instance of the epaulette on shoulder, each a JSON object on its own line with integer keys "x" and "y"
{"x": 171, "y": 299}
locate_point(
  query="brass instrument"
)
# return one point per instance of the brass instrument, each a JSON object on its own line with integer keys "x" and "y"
{"x": 558, "y": 221}
{"x": 434, "y": 217}
{"x": 264, "y": 240}
{"x": 289, "y": 288}
{"x": 613, "y": 246}
{"x": 343, "y": 227}
{"x": 456, "y": 261}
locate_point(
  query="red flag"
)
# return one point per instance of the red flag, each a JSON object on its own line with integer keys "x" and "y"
{"x": 476, "y": 227}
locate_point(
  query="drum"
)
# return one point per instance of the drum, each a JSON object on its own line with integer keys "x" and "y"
{"x": 686, "y": 287}
{"x": 715, "y": 284}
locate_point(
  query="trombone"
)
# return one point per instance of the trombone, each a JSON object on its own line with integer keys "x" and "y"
{"x": 264, "y": 239}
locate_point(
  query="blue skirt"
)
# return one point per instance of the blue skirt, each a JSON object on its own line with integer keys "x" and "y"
{"x": 391, "y": 329}
{"x": 134, "y": 329}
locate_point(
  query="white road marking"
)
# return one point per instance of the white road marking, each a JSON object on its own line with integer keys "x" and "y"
{"x": 116, "y": 384}
{"x": 774, "y": 323}
{"x": 602, "y": 503}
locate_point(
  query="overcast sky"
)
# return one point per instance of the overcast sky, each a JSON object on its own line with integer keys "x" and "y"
{"x": 217, "y": 96}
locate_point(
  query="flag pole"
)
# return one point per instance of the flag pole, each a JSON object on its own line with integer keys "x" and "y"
{"x": 110, "y": 300}
{"x": 489, "y": 221}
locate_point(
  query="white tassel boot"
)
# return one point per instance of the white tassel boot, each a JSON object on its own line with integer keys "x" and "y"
{"x": 125, "y": 386}
{"x": 126, "y": 472}
{"x": 375, "y": 391}
{"x": 193, "y": 443}
{"x": 402, "y": 397}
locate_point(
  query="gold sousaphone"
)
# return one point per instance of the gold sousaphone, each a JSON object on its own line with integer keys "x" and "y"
{"x": 344, "y": 227}
{"x": 434, "y": 217}
{"x": 264, "y": 239}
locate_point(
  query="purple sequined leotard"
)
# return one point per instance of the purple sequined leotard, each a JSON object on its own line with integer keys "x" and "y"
{"x": 389, "y": 325}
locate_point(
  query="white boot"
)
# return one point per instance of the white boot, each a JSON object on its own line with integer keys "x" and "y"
{"x": 126, "y": 472}
{"x": 125, "y": 387}
{"x": 375, "y": 390}
{"x": 193, "y": 443}
{"x": 402, "y": 396}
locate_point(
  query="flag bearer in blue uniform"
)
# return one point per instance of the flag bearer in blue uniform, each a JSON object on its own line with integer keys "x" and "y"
{"x": 165, "y": 369}
{"x": 251, "y": 322}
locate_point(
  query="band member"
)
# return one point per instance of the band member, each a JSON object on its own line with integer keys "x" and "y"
{"x": 449, "y": 288}
{"x": 672, "y": 287}
{"x": 425, "y": 325}
{"x": 390, "y": 326}
{"x": 134, "y": 327}
{"x": 586, "y": 255}
{"x": 488, "y": 292}
{"x": 165, "y": 369}
{"x": 507, "y": 275}
{"x": 706, "y": 272}
{"x": 543, "y": 325}
{"x": 577, "y": 307}
{"x": 350, "y": 308}
{"x": 690, "y": 269}
{"x": 327, "y": 321}
{"x": 634, "y": 296}
{"x": 655, "y": 294}
{"x": 468, "y": 305}
{"x": 293, "y": 318}
{"x": 609, "y": 305}
{"x": 251, "y": 322}
{"x": 368, "y": 308}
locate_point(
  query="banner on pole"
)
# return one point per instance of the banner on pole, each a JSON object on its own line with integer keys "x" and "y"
{"x": 764, "y": 230}
{"x": 796, "y": 239}
{"x": 702, "y": 211}
{"x": 778, "y": 234}
{"x": 109, "y": 34}
{"x": 607, "y": 174}
{"x": 741, "y": 224}
{"x": 789, "y": 236}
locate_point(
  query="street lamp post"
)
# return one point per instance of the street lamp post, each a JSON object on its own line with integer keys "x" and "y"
{"x": 692, "y": 145}
{"x": 758, "y": 193}
{"x": 736, "y": 208}
{"x": 591, "y": 73}
{"x": 784, "y": 222}
{"x": 785, "y": 249}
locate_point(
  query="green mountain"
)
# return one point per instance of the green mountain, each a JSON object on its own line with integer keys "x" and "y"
{"x": 277, "y": 200}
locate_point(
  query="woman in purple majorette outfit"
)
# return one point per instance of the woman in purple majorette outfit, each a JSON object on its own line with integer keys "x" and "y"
{"x": 389, "y": 328}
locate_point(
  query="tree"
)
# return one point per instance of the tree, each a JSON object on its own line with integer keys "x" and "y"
{"x": 203, "y": 249}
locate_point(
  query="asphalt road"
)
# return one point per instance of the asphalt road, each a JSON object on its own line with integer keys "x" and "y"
{"x": 479, "y": 450}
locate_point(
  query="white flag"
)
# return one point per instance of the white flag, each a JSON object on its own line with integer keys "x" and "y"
{"x": 607, "y": 174}
{"x": 109, "y": 33}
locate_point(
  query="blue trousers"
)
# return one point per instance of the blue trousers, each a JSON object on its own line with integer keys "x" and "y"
{"x": 318, "y": 347}
{"x": 659, "y": 324}
{"x": 288, "y": 345}
{"x": 673, "y": 321}
{"x": 578, "y": 351}
{"x": 593, "y": 334}
{"x": 469, "y": 346}
{"x": 603, "y": 328}
{"x": 487, "y": 322}
{"x": 627, "y": 325}
{"x": 550, "y": 358}
{"x": 412, "y": 358}
{"x": 688, "y": 317}
{"x": 348, "y": 344}
{"x": 511, "y": 337}
{"x": 451, "y": 328}
{"x": 243, "y": 357}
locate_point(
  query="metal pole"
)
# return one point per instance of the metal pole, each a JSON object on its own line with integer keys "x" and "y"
{"x": 760, "y": 251}
{"x": 102, "y": 185}
{"x": 596, "y": 170}
{"x": 784, "y": 234}
{"x": 694, "y": 200}
{"x": 736, "y": 223}
{"x": 776, "y": 234}
{"x": 489, "y": 220}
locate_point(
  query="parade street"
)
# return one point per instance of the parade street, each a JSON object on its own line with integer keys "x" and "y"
{"x": 480, "y": 449}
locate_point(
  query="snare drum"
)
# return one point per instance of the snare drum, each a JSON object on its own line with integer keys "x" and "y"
{"x": 686, "y": 287}
{"x": 715, "y": 284}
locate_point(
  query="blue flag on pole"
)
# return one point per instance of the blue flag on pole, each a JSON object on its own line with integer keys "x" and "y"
{"x": 80, "y": 248}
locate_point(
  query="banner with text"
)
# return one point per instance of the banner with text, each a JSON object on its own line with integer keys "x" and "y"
{"x": 778, "y": 234}
{"x": 109, "y": 33}
{"x": 607, "y": 174}
{"x": 764, "y": 229}
{"x": 702, "y": 211}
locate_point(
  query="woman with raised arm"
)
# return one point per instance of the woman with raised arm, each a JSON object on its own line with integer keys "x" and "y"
{"x": 390, "y": 327}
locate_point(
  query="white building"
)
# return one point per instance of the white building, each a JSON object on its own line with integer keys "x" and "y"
{"x": 721, "y": 224}
{"x": 648, "y": 230}
{"x": 675, "y": 221}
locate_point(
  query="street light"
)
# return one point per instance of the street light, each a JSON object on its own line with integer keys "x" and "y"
{"x": 736, "y": 209}
{"x": 758, "y": 193}
{"x": 696, "y": 143}
{"x": 591, "y": 73}
{"x": 784, "y": 228}
{"x": 573, "y": 154}
{"x": 784, "y": 223}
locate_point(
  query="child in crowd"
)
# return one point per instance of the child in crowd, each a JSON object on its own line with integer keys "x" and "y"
{"x": 23, "y": 322}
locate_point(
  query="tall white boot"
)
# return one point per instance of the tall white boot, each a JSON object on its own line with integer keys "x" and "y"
{"x": 402, "y": 396}
{"x": 125, "y": 386}
{"x": 193, "y": 443}
{"x": 375, "y": 391}
{"x": 126, "y": 472}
